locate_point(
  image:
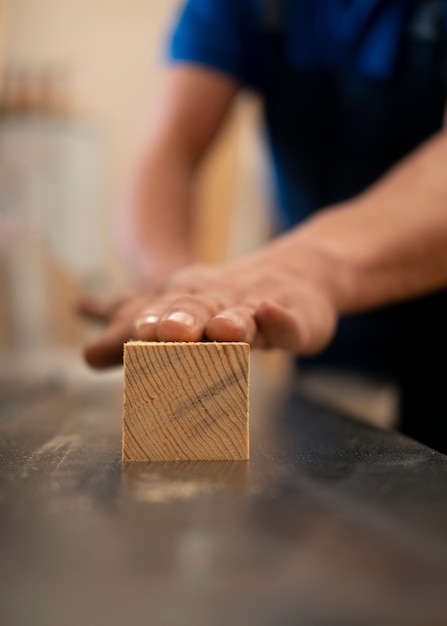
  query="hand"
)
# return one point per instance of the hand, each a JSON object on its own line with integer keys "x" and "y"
{"x": 118, "y": 317}
{"x": 279, "y": 297}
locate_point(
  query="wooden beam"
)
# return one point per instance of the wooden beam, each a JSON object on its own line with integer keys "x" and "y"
{"x": 185, "y": 401}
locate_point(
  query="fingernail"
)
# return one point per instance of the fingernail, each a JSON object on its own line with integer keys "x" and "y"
{"x": 182, "y": 318}
{"x": 229, "y": 315}
{"x": 147, "y": 320}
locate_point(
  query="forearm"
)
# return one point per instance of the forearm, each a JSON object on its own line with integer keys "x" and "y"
{"x": 156, "y": 226}
{"x": 390, "y": 243}
{"x": 156, "y": 222}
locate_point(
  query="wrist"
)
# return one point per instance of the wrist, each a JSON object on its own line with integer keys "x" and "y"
{"x": 331, "y": 259}
{"x": 154, "y": 272}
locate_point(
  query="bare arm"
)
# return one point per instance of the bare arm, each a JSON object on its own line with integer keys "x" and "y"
{"x": 157, "y": 218}
{"x": 392, "y": 239}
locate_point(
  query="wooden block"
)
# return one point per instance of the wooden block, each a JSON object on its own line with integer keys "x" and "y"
{"x": 185, "y": 401}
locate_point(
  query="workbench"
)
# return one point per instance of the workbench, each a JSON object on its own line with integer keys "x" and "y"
{"x": 332, "y": 522}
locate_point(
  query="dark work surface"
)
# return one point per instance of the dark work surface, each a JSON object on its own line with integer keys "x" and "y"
{"x": 331, "y": 523}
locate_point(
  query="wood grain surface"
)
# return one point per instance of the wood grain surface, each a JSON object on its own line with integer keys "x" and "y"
{"x": 185, "y": 401}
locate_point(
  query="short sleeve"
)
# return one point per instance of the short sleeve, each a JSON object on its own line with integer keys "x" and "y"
{"x": 217, "y": 34}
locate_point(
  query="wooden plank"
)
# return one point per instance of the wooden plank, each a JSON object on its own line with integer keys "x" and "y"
{"x": 185, "y": 401}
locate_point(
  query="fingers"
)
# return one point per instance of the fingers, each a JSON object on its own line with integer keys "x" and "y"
{"x": 145, "y": 325}
{"x": 268, "y": 325}
{"x": 194, "y": 319}
{"x": 184, "y": 319}
{"x": 234, "y": 324}
{"x": 278, "y": 327}
{"x": 189, "y": 319}
{"x": 108, "y": 350}
{"x": 303, "y": 329}
{"x": 98, "y": 310}
{"x": 231, "y": 306}
{"x": 176, "y": 325}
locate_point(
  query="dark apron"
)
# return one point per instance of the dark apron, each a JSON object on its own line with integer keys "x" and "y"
{"x": 333, "y": 134}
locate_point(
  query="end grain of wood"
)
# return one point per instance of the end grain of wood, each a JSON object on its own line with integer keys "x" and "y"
{"x": 185, "y": 401}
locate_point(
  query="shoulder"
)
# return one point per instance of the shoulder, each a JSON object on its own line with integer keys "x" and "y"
{"x": 220, "y": 34}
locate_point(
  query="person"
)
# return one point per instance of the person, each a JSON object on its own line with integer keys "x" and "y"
{"x": 354, "y": 98}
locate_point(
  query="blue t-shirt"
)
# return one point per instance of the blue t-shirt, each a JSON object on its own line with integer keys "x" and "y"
{"x": 227, "y": 35}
